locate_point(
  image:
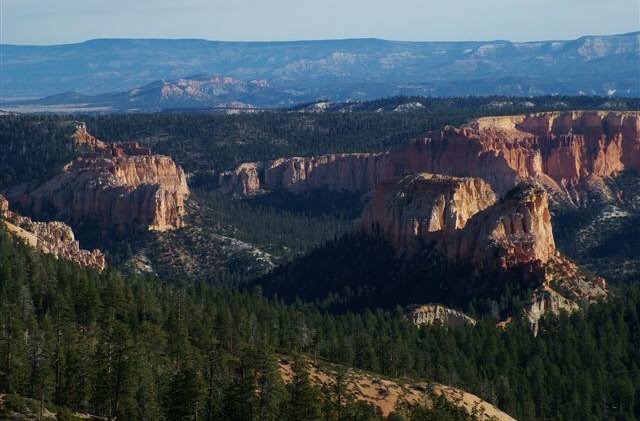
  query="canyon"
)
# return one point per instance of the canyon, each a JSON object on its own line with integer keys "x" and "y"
{"x": 112, "y": 187}
{"x": 480, "y": 195}
{"x": 567, "y": 152}
{"x": 55, "y": 238}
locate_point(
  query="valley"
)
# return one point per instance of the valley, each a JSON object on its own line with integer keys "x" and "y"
{"x": 466, "y": 250}
{"x": 319, "y": 211}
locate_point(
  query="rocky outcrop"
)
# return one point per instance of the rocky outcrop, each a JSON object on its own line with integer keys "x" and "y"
{"x": 424, "y": 207}
{"x": 565, "y": 287}
{"x": 561, "y": 150}
{"x": 516, "y": 230}
{"x": 54, "y": 238}
{"x": 349, "y": 172}
{"x": 89, "y": 145}
{"x": 116, "y": 186}
{"x": 243, "y": 181}
{"x": 517, "y": 233}
{"x": 460, "y": 218}
{"x": 4, "y": 207}
{"x": 437, "y": 315}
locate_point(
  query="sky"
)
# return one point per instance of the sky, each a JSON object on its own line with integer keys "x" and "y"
{"x": 65, "y": 21}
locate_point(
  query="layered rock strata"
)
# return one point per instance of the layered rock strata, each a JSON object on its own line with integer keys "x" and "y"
{"x": 115, "y": 186}
{"x": 516, "y": 230}
{"x": 561, "y": 150}
{"x": 54, "y": 238}
{"x": 461, "y": 218}
{"x": 424, "y": 207}
{"x": 437, "y": 315}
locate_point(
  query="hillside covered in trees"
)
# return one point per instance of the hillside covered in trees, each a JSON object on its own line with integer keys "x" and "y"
{"x": 248, "y": 281}
{"x": 139, "y": 348}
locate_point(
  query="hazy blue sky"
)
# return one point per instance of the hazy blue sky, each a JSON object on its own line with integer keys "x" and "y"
{"x": 63, "y": 21}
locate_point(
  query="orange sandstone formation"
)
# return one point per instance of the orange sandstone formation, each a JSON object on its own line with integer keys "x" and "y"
{"x": 424, "y": 207}
{"x": 54, "y": 238}
{"x": 516, "y": 230}
{"x": 561, "y": 150}
{"x": 117, "y": 186}
{"x": 460, "y": 217}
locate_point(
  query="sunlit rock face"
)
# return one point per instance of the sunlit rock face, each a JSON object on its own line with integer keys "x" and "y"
{"x": 56, "y": 238}
{"x": 561, "y": 150}
{"x": 424, "y": 207}
{"x": 462, "y": 219}
{"x": 437, "y": 315}
{"x": 514, "y": 231}
{"x": 116, "y": 186}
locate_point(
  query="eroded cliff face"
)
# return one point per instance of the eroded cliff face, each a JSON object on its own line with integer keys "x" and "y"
{"x": 561, "y": 150}
{"x": 117, "y": 186}
{"x": 517, "y": 233}
{"x": 424, "y": 207}
{"x": 358, "y": 172}
{"x": 54, "y": 238}
{"x": 516, "y": 230}
{"x": 437, "y": 315}
{"x": 565, "y": 286}
{"x": 461, "y": 218}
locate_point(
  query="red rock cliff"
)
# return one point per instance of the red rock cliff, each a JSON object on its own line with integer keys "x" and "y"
{"x": 116, "y": 186}
{"x": 559, "y": 150}
{"x": 460, "y": 217}
{"x": 54, "y": 238}
{"x": 514, "y": 231}
{"x": 424, "y": 207}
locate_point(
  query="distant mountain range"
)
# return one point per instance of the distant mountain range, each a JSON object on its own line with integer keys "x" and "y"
{"x": 136, "y": 74}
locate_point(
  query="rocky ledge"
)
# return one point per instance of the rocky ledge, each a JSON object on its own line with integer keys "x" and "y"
{"x": 437, "y": 315}
{"x": 115, "y": 186}
{"x": 564, "y": 151}
{"x": 54, "y": 238}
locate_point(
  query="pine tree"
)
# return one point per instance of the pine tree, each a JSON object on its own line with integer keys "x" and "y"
{"x": 240, "y": 401}
{"x": 270, "y": 388}
{"x": 184, "y": 395}
{"x": 304, "y": 400}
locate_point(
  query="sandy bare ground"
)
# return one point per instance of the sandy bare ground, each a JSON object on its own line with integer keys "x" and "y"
{"x": 387, "y": 393}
